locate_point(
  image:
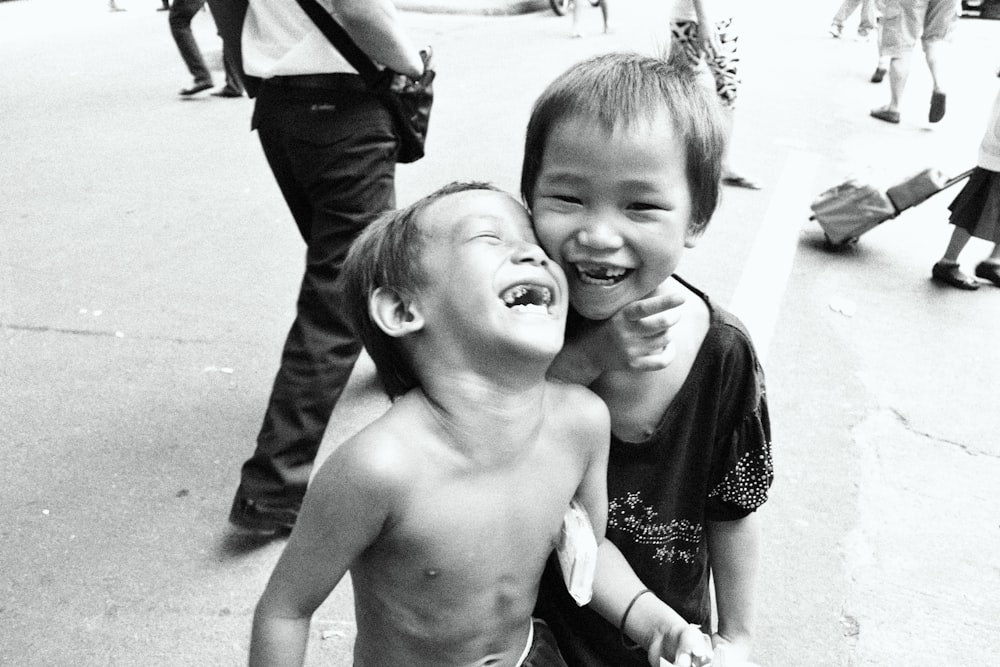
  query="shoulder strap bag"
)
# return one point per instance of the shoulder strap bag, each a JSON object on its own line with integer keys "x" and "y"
{"x": 409, "y": 100}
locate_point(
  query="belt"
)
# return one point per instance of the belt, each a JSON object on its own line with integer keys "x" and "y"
{"x": 338, "y": 81}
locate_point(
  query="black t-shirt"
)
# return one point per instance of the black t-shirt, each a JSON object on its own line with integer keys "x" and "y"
{"x": 708, "y": 460}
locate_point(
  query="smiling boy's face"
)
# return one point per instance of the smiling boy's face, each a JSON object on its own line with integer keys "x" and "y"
{"x": 613, "y": 209}
{"x": 486, "y": 278}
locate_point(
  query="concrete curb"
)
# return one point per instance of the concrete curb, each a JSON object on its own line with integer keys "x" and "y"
{"x": 483, "y": 7}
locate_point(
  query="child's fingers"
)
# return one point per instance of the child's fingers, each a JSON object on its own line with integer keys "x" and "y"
{"x": 660, "y": 321}
{"x": 656, "y": 360}
{"x": 659, "y": 303}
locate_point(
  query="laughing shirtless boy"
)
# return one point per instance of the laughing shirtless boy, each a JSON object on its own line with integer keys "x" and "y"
{"x": 445, "y": 509}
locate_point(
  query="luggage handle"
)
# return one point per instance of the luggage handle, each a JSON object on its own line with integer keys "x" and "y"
{"x": 947, "y": 184}
{"x": 956, "y": 179}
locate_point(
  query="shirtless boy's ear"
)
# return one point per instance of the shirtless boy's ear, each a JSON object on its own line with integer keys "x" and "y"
{"x": 691, "y": 238}
{"x": 394, "y": 313}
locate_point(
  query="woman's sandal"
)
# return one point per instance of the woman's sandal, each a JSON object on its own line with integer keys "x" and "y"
{"x": 886, "y": 114}
{"x": 950, "y": 274}
{"x": 989, "y": 271}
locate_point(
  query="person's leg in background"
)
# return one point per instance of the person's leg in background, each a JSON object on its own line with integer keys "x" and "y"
{"x": 938, "y": 24}
{"x": 869, "y": 19}
{"x": 231, "y": 52}
{"x": 724, "y": 67}
{"x": 846, "y": 9}
{"x": 335, "y": 166}
{"x": 901, "y": 28}
{"x": 182, "y": 12}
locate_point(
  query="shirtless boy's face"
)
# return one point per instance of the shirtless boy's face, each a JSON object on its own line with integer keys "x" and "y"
{"x": 486, "y": 276}
{"x": 613, "y": 209}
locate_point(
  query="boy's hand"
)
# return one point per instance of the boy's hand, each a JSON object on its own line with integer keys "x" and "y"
{"x": 639, "y": 334}
{"x": 691, "y": 648}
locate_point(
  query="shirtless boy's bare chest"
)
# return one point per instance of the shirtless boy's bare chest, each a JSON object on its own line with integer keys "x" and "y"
{"x": 465, "y": 529}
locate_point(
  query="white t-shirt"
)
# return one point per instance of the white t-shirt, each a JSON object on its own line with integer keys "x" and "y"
{"x": 290, "y": 45}
{"x": 683, "y": 10}
{"x": 989, "y": 149}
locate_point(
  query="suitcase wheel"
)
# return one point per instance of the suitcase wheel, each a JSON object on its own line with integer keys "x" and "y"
{"x": 830, "y": 245}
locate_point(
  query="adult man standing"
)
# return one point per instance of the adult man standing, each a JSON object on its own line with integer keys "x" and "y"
{"x": 903, "y": 23}
{"x": 332, "y": 148}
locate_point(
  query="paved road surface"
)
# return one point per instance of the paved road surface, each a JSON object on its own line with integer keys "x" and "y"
{"x": 147, "y": 277}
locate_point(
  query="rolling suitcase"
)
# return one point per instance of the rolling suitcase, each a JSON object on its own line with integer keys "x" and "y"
{"x": 848, "y": 210}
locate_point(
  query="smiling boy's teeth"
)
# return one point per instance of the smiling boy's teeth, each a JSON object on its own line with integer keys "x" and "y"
{"x": 596, "y": 274}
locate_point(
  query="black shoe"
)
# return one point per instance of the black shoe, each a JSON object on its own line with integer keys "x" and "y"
{"x": 938, "y": 106}
{"x": 227, "y": 92}
{"x": 989, "y": 271}
{"x": 262, "y": 518}
{"x": 196, "y": 88}
{"x": 878, "y": 75}
{"x": 950, "y": 274}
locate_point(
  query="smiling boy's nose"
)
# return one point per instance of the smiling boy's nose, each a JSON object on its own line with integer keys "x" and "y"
{"x": 598, "y": 234}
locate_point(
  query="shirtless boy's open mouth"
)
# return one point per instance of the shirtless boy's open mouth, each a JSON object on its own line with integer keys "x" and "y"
{"x": 528, "y": 298}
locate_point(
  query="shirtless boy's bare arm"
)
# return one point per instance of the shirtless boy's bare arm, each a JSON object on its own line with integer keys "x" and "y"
{"x": 342, "y": 514}
{"x": 593, "y": 490}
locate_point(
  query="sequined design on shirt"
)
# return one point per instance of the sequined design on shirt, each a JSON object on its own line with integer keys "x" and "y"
{"x": 673, "y": 542}
{"x": 747, "y": 483}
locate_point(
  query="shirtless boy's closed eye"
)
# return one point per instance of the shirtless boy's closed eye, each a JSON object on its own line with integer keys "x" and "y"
{"x": 445, "y": 509}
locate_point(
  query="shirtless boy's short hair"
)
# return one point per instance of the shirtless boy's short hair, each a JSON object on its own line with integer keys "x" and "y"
{"x": 619, "y": 90}
{"x": 387, "y": 254}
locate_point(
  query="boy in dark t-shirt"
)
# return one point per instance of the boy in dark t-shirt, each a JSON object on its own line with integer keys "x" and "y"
{"x": 622, "y": 164}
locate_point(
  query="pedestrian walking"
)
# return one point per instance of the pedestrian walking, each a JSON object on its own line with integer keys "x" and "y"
{"x": 331, "y": 145}
{"x": 182, "y": 13}
{"x": 703, "y": 34}
{"x": 904, "y": 22}
{"x": 976, "y": 213}
{"x": 866, "y": 23}
{"x": 578, "y": 10}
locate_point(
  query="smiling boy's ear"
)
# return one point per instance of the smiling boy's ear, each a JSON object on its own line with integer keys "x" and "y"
{"x": 393, "y": 313}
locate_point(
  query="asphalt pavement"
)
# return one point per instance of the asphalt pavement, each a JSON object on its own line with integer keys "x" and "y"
{"x": 148, "y": 271}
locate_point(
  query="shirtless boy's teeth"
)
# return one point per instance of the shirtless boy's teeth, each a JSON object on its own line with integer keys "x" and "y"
{"x": 527, "y": 298}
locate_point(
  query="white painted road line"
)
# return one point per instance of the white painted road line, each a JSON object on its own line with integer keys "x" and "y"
{"x": 761, "y": 288}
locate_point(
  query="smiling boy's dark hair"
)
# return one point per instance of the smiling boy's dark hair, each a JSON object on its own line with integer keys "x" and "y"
{"x": 387, "y": 254}
{"x": 619, "y": 90}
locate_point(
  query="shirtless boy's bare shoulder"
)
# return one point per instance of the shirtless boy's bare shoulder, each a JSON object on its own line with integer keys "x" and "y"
{"x": 578, "y": 409}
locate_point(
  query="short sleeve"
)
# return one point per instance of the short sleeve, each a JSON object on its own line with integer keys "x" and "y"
{"x": 745, "y": 469}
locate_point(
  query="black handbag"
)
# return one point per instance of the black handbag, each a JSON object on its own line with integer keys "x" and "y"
{"x": 409, "y": 100}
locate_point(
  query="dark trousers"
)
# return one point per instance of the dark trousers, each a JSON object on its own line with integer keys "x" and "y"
{"x": 543, "y": 652}
{"x": 232, "y": 59}
{"x": 181, "y": 14}
{"x": 228, "y": 16}
{"x": 333, "y": 155}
